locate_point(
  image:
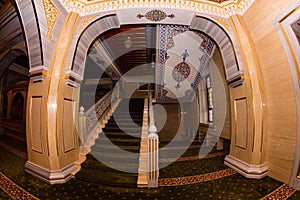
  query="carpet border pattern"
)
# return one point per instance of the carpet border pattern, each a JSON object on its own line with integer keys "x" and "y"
{"x": 13, "y": 190}
{"x": 283, "y": 192}
{"x": 188, "y": 180}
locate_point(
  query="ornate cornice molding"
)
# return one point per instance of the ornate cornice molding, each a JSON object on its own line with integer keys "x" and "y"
{"x": 51, "y": 13}
{"x": 222, "y": 9}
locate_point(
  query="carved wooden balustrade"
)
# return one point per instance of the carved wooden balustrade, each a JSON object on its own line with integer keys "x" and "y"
{"x": 89, "y": 121}
{"x": 153, "y": 147}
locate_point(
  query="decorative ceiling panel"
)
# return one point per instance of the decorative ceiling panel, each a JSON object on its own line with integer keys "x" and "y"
{"x": 222, "y": 8}
{"x": 182, "y": 61}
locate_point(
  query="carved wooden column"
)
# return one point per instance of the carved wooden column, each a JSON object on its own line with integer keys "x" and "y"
{"x": 52, "y": 138}
{"x": 247, "y": 153}
{"x": 9, "y": 104}
{"x": 24, "y": 93}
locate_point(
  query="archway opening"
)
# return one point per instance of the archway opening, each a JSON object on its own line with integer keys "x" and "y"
{"x": 14, "y": 82}
{"x": 119, "y": 55}
{"x": 18, "y": 106}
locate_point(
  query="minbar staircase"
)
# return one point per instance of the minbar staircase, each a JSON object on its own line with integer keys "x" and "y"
{"x": 116, "y": 148}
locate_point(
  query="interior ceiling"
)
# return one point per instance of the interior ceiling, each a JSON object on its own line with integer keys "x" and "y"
{"x": 218, "y": 1}
{"x": 136, "y": 55}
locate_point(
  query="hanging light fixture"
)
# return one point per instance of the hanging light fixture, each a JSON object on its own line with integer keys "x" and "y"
{"x": 128, "y": 42}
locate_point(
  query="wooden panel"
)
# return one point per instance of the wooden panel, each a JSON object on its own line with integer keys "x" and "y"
{"x": 68, "y": 125}
{"x": 240, "y": 106}
{"x": 35, "y": 121}
{"x": 217, "y": 59}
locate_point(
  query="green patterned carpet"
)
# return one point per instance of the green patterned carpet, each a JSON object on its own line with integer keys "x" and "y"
{"x": 231, "y": 187}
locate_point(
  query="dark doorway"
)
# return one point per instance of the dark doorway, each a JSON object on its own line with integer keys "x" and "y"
{"x": 4, "y": 106}
{"x": 17, "y": 106}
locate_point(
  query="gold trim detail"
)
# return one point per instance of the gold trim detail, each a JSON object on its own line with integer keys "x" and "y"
{"x": 86, "y": 21}
{"x": 223, "y": 9}
{"x": 51, "y": 14}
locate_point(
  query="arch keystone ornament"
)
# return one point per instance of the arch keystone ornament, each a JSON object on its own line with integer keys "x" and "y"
{"x": 155, "y": 15}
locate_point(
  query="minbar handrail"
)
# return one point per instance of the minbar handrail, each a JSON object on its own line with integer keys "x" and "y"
{"x": 153, "y": 147}
{"x": 89, "y": 120}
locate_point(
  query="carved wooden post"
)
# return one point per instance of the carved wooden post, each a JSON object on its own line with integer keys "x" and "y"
{"x": 153, "y": 159}
{"x": 9, "y": 104}
{"x": 82, "y": 127}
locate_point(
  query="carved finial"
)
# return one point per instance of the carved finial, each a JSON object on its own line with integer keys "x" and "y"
{"x": 81, "y": 110}
{"x": 152, "y": 129}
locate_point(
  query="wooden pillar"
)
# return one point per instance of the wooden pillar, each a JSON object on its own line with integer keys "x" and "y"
{"x": 52, "y": 138}
{"x": 247, "y": 153}
{"x": 9, "y": 104}
{"x": 1, "y": 98}
{"x": 24, "y": 93}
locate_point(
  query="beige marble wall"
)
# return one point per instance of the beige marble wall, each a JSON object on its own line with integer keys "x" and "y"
{"x": 279, "y": 120}
{"x": 217, "y": 59}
